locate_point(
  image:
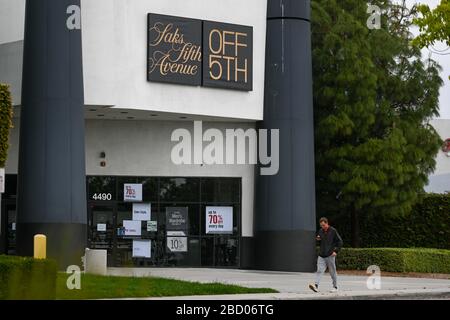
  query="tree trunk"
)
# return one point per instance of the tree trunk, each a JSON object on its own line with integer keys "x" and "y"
{"x": 355, "y": 229}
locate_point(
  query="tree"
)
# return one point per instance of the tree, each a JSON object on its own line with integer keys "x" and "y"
{"x": 373, "y": 97}
{"x": 434, "y": 25}
{"x": 6, "y": 114}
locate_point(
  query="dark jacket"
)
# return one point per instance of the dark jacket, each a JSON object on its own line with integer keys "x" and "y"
{"x": 330, "y": 242}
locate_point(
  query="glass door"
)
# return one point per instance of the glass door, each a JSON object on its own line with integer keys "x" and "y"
{"x": 123, "y": 250}
{"x": 102, "y": 229}
{"x": 11, "y": 225}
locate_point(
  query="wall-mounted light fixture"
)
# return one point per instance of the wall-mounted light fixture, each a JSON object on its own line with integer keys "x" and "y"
{"x": 103, "y": 156}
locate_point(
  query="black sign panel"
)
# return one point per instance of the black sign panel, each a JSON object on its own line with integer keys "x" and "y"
{"x": 174, "y": 50}
{"x": 176, "y": 218}
{"x": 176, "y": 55}
{"x": 227, "y": 56}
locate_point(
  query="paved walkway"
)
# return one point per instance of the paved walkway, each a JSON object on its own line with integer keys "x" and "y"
{"x": 294, "y": 285}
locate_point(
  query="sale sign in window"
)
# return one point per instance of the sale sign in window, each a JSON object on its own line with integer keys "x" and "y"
{"x": 219, "y": 220}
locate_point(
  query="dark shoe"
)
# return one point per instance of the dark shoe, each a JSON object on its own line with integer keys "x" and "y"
{"x": 314, "y": 287}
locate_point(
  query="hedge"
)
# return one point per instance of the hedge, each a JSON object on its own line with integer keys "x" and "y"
{"x": 6, "y": 114}
{"x": 395, "y": 259}
{"x": 27, "y": 278}
{"x": 427, "y": 226}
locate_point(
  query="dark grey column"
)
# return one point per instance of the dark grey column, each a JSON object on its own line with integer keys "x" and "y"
{"x": 52, "y": 183}
{"x": 285, "y": 203}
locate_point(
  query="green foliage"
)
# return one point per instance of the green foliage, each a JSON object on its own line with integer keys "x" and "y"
{"x": 395, "y": 259}
{"x": 27, "y": 278}
{"x": 434, "y": 24}
{"x": 6, "y": 114}
{"x": 373, "y": 98}
{"x": 427, "y": 226}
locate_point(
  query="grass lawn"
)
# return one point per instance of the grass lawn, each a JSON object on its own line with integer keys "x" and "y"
{"x": 99, "y": 287}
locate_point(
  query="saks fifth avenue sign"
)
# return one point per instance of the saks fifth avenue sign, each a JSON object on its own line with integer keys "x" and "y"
{"x": 200, "y": 53}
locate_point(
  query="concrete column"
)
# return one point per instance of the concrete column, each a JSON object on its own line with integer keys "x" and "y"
{"x": 52, "y": 183}
{"x": 285, "y": 203}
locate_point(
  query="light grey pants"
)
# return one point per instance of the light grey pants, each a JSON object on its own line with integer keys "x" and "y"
{"x": 322, "y": 265}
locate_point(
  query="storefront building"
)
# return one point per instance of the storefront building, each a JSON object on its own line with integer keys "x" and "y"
{"x": 99, "y": 89}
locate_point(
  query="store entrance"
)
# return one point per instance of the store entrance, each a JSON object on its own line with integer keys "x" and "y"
{"x": 105, "y": 224}
{"x": 165, "y": 221}
{"x": 8, "y": 227}
{"x": 101, "y": 226}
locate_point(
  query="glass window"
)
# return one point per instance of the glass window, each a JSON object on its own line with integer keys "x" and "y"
{"x": 10, "y": 186}
{"x": 207, "y": 251}
{"x": 149, "y": 189}
{"x": 102, "y": 188}
{"x": 193, "y": 194}
{"x": 221, "y": 190}
{"x": 193, "y": 258}
{"x": 226, "y": 251}
{"x": 124, "y": 212}
{"x": 179, "y": 189}
{"x": 124, "y": 253}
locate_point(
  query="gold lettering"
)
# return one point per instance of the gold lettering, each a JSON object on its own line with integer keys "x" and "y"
{"x": 212, "y": 63}
{"x": 166, "y": 35}
{"x": 156, "y": 27}
{"x": 180, "y": 58}
{"x": 239, "y": 44}
{"x": 225, "y": 42}
{"x": 240, "y": 70}
{"x": 229, "y": 59}
{"x": 211, "y": 42}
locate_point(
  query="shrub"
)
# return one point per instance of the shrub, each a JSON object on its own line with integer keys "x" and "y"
{"x": 426, "y": 226}
{"x": 27, "y": 278}
{"x": 6, "y": 114}
{"x": 395, "y": 259}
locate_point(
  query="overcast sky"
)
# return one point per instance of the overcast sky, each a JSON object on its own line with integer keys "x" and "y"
{"x": 444, "y": 61}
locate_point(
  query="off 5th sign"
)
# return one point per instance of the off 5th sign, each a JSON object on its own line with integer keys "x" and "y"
{"x": 200, "y": 53}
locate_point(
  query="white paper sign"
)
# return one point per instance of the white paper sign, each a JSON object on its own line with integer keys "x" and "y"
{"x": 132, "y": 228}
{"x": 101, "y": 227}
{"x": 152, "y": 226}
{"x": 177, "y": 244}
{"x": 142, "y": 211}
{"x": 132, "y": 192}
{"x": 176, "y": 233}
{"x": 2, "y": 180}
{"x": 142, "y": 248}
{"x": 219, "y": 220}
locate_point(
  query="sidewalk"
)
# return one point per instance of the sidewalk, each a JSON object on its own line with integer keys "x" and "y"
{"x": 294, "y": 285}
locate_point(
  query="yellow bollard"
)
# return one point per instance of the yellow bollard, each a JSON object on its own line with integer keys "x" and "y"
{"x": 40, "y": 246}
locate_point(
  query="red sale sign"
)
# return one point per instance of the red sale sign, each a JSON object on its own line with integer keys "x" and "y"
{"x": 219, "y": 220}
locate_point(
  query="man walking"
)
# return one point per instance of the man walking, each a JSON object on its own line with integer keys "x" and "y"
{"x": 330, "y": 244}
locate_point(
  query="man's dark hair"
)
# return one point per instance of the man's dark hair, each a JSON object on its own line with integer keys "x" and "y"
{"x": 323, "y": 219}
